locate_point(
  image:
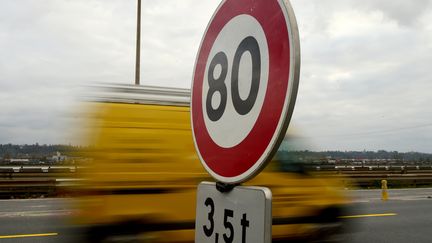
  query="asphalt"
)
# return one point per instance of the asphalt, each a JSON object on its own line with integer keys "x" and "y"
{"x": 405, "y": 217}
{"x": 36, "y": 220}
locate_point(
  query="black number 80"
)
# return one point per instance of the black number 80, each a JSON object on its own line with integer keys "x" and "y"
{"x": 242, "y": 107}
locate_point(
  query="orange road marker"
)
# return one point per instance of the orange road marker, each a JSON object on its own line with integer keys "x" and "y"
{"x": 384, "y": 193}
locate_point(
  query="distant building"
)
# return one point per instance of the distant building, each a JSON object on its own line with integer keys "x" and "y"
{"x": 58, "y": 157}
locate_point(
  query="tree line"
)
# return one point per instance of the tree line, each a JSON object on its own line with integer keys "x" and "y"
{"x": 311, "y": 156}
{"x": 34, "y": 151}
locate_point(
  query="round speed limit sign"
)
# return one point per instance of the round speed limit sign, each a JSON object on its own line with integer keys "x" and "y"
{"x": 244, "y": 86}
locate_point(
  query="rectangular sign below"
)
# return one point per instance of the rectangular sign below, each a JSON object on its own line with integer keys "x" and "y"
{"x": 241, "y": 215}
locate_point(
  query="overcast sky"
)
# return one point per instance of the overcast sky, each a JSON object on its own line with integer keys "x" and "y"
{"x": 365, "y": 80}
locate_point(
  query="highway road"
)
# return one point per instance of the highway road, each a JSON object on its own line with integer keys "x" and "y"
{"x": 35, "y": 220}
{"x": 405, "y": 217}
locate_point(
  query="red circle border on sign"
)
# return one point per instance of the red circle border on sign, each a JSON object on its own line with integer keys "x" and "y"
{"x": 234, "y": 161}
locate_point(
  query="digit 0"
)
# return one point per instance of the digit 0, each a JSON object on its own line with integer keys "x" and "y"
{"x": 243, "y": 107}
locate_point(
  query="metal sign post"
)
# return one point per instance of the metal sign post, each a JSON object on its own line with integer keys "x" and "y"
{"x": 243, "y": 94}
{"x": 138, "y": 45}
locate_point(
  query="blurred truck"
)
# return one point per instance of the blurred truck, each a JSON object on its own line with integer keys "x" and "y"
{"x": 141, "y": 183}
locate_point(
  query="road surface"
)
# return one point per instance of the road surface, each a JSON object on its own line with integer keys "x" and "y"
{"x": 405, "y": 217}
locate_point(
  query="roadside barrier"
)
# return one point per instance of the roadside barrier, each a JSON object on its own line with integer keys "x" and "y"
{"x": 21, "y": 181}
{"x": 32, "y": 182}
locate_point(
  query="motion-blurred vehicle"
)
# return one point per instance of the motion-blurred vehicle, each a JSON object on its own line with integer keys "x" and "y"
{"x": 141, "y": 185}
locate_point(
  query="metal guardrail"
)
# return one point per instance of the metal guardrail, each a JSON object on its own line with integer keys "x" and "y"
{"x": 55, "y": 181}
{"x": 397, "y": 176}
{"x": 18, "y": 182}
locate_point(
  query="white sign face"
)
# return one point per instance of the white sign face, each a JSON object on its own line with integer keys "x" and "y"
{"x": 247, "y": 60}
{"x": 241, "y": 215}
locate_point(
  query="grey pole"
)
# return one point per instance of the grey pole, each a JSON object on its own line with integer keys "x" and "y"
{"x": 138, "y": 45}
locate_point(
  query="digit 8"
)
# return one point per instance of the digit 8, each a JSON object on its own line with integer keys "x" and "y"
{"x": 217, "y": 85}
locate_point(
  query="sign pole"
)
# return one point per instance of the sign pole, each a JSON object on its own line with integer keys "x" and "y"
{"x": 138, "y": 45}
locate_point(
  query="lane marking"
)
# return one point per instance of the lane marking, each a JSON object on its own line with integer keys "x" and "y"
{"x": 25, "y": 200}
{"x": 368, "y": 215}
{"x": 36, "y": 213}
{"x": 392, "y": 189}
{"x": 27, "y": 235}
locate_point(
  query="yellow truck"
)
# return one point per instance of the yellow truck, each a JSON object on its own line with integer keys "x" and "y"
{"x": 141, "y": 183}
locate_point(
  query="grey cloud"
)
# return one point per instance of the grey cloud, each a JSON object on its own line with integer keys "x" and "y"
{"x": 406, "y": 13}
{"x": 353, "y": 81}
{"x": 369, "y": 80}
